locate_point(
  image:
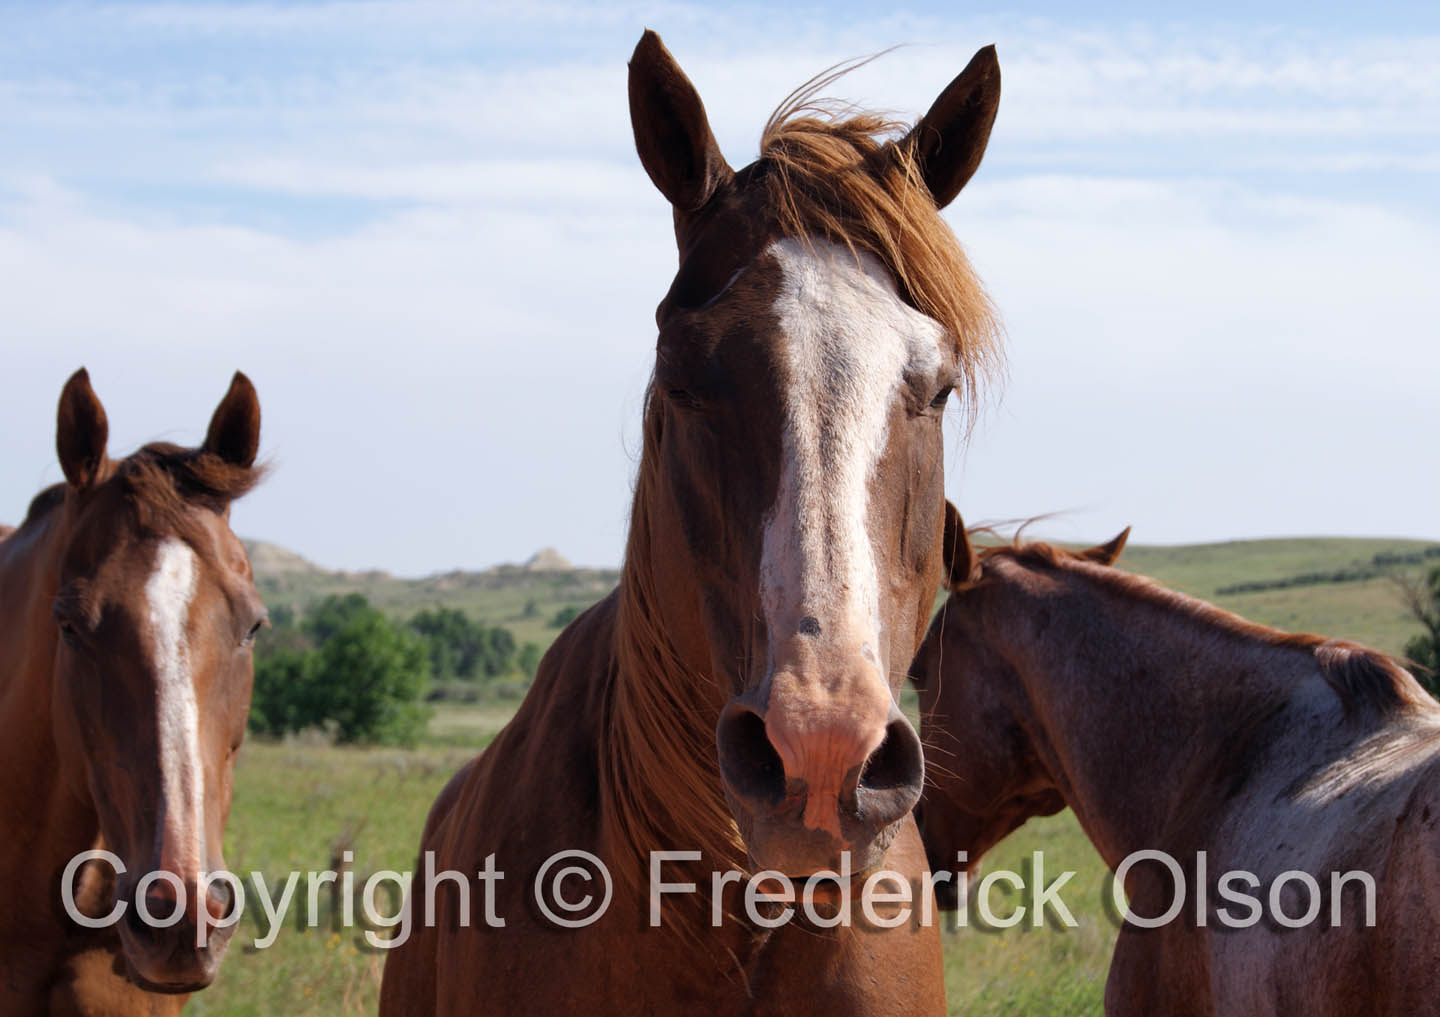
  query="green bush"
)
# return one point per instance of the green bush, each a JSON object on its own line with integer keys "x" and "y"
{"x": 529, "y": 659}
{"x": 346, "y": 669}
{"x": 461, "y": 648}
{"x": 565, "y": 616}
{"x": 370, "y": 678}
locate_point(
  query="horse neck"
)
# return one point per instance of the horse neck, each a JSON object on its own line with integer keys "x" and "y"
{"x": 29, "y": 576}
{"x": 1141, "y": 711}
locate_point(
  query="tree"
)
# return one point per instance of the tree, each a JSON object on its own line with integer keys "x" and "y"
{"x": 452, "y": 640}
{"x": 529, "y": 660}
{"x": 564, "y": 616}
{"x": 370, "y": 678}
{"x": 326, "y": 617}
{"x": 461, "y": 648}
{"x": 1422, "y": 598}
{"x": 352, "y": 671}
{"x": 498, "y": 654}
{"x": 281, "y": 679}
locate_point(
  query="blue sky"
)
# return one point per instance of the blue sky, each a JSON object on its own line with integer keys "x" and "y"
{"x": 421, "y": 228}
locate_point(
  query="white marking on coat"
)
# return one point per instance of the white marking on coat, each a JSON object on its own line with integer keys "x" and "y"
{"x": 848, "y": 343}
{"x": 168, "y": 595}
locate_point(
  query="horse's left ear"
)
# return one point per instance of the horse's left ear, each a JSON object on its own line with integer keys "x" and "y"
{"x": 672, "y": 133}
{"x": 961, "y": 565}
{"x": 950, "y": 140}
{"x": 1106, "y": 553}
{"x": 234, "y": 433}
{"x": 81, "y": 431}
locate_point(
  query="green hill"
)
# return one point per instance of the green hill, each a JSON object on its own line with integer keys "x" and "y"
{"x": 1331, "y": 585}
{"x": 523, "y": 598}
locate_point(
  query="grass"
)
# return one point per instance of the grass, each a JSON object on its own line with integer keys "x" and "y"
{"x": 300, "y": 802}
{"x": 1028, "y": 970}
{"x": 298, "y": 806}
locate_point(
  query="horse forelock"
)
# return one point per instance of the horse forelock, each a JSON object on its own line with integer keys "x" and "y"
{"x": 161, "y": 482}
{"x": 838, "y": 175}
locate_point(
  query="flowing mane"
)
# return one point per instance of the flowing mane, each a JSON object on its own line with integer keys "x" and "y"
{"x": 1366, "y": 680}
{"x": 161, "y": 479}
{"x": 659, "y": 724}
{"x": 845, "y": 175}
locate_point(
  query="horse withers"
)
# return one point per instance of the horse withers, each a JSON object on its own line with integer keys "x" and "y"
{"x": 733, "y": 702}
{"x": 125, "y": 680}
{"x": 1254, "y": 760}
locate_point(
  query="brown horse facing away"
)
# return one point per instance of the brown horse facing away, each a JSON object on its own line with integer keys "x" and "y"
{"x": 736, "y": 695}
{"x": 125, "y": 676}
{"x": 1167, "y": 724}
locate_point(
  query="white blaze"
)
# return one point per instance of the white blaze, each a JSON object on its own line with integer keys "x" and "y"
{"x": 847, "y": 341}
{"x": 168, "y": 593}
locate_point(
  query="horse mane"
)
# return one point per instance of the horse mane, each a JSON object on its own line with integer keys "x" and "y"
{"x": 43, "y": 504}
{"x": 160, "y": 481}
{"x": 845, "y": 175}
{"x": 1365, "y": 680}
{"x": 659, "y": 728}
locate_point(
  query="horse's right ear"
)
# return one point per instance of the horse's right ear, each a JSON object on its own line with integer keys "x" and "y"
{"x": 1106, "y": 553}
{"x": 234, "y": 432}
{"x": 672, "y": 134}
{"x": 961, "y": 565}
{"x": 81, "y": 431}
{"x": 950, "y": 139}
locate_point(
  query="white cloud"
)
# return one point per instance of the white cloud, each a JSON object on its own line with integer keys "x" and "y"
{"x": 451, "y": 368}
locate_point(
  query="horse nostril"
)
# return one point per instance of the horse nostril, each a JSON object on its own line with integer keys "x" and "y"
{"x": 894, "y": 775}
{"x": 220, "y": 900}
{"x": 138, "y": 923}
{"x": 749, "y": 764}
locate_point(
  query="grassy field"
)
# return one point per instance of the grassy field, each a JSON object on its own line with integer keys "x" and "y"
{"x": 298, "y": 805}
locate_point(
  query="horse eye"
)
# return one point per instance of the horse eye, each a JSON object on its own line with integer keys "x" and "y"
{"x": 68, "y": 632}
{"x": 942, "y": 397}
{"x": 255, "y": 630}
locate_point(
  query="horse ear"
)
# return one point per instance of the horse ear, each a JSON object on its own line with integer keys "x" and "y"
{"x": 950, "y": 140}
{"x": 672, "y": 134}
{"x": 1106, "y": 553}
{"x": 961, "y": 565}
{"x": 234, "y": 433}
{"x": 81, "y": 431}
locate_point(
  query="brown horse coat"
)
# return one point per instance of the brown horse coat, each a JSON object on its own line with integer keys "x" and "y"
{"x": 1050, "y": 679}
{"x": 125, "y": 679}
{"x": 736, "y": 695}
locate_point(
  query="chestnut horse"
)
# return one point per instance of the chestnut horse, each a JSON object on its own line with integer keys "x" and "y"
{"x": 736, "y": 695}
{"x": 1167, "y": 724}
{"x": 125, "y": 676}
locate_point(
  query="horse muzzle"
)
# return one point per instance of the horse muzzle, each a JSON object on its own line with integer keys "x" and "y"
{"x": 168, "y": 957}
{"x": 818, "y": 772}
